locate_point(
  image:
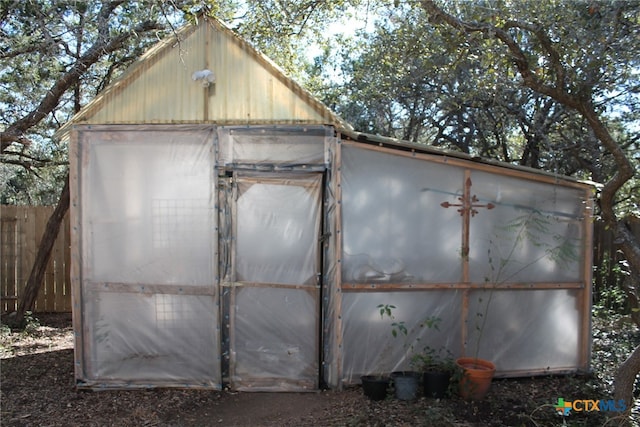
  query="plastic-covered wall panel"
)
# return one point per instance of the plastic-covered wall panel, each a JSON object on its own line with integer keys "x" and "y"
{"x": 151, "y": 338}
{"x": 275, "y": 297}
{"x": 278, "y": 221}
{"x": 149, "y": 293}
{"x": 533, "y": 234}
{"x": 394, "y": 229}
{"x": 452, "y": 237}
{"x": 281, "y": 354}
{"x": 283, "y": 146}
{"x": 369, "y": 344}
{"x": 526, "y": 330}
{"x": 149, "y": 208}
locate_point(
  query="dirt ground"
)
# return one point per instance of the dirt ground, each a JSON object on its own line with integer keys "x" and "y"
{"x": 37, "y": 389}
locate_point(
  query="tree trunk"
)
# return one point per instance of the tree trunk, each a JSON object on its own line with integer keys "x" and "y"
{"x": 28, "y": 298}
{"x": 626, "y": 374}
{"x": 624, "y": 380}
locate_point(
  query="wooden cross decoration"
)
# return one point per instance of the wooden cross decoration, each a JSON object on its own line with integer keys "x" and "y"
{"x": 467, "y": 209}
{"x": 469, "y": 203}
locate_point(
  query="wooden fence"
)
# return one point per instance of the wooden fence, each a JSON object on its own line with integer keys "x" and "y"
{"x": 21, "y": 228}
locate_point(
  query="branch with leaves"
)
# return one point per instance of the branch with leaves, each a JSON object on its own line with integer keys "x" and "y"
{"x": 578, "y": 99}
{"x": 559, "y": 92}
{"x": 15, "y": 131}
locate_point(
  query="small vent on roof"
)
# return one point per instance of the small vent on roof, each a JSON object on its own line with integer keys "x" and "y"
{"x": 206, "y": 77}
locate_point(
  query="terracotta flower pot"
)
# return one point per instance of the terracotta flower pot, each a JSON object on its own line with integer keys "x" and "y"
{"x": 476, "y": 378}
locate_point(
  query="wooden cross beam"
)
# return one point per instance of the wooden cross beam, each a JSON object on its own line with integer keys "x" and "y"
{"x": 468, "y": 203}
{"x": 467, "y": 209}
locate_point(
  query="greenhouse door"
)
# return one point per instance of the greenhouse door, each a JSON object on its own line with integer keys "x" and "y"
{"x": 274, "y": 298}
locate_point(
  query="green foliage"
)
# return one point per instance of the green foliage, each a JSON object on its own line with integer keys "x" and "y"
{"x": 284, "y": 30}
{"x": 609, "y": 297}
{"x": 42, "y": 41}
{"x": 432, "y": 84}
{"x": 428, "y": 357}
{"x": 5, "y": 340}
{"x": 31, "y": 323}
{"x": 386, "y": 310}
{"x": 4, "y": 330}
{"x": 431, "y": 322}
{"x": 434, "y": 359}
{"x": 397, "y": 328}
{"x": 533, "y": 228}
{"x": 28, "y": 326}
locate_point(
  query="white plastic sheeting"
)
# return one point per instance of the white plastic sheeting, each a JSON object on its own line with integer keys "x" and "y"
{"x": 148, "y": 205}
{"x": 534, "y": 233}
{"x": 258, "y": 256}
{"x": 369, "y": 345}
{"x": 527, "y": 330}
{"x": 149, "y": 297}
{"x": 277, "y": 146}
{"x": 275, "y": 297}
{"x": 404, "y": 228}
{"x": 150, "y": 339}
{"x": 275, "y": 343}
{"x": 392, "y": 218}
{"x": 278, "y": 221}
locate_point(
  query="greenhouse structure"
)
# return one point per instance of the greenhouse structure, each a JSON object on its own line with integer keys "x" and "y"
{"x": 228, "y": 229}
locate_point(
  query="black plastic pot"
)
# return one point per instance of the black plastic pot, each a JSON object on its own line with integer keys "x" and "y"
{"x": 436, "y": 384}
{"x": 375, "y": 386}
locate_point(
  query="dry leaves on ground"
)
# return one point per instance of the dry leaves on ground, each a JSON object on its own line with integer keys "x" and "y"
{"x": 37, "y": 389}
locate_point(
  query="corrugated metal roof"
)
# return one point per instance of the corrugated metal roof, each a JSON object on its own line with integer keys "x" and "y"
{"x": 384, "y": 141}
{"x": 248, "y": 88}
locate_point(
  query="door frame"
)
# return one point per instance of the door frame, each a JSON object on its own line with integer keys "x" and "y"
{"x": 228, "y": 195}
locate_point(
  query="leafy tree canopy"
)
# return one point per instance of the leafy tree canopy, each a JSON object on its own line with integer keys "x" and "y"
{"x": 413, "y": 79}
{"x": 55, "y": 56}
{"x": 408, "y": 77}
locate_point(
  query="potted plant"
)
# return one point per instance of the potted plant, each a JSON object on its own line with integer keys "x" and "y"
{"x": 438, "y": 368}
{"x": 375, "y": 387}
{"x": 532, "y": 228}
{"x": 477, "y": 373}
{"x": 405, "y": 383}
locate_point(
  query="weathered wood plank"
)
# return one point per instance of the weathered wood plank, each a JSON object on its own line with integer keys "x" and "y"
{"x": 40, "y": 221}
{"x": 20, "y": 234}
{"x": 9, "y": 259}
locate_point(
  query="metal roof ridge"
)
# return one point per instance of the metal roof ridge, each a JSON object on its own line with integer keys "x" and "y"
{"x": 182, "y": 33}
{"x": 427, "y": 149}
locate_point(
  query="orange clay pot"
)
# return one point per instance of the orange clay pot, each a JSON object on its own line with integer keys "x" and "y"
{"x": 477, "y": 377}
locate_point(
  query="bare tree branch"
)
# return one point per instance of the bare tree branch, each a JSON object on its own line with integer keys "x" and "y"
{"x": 583, "y": 104}
{"x": 585, "y": 107}
{"x": 23, "y": 155}
{"x": 14, "y": 132}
